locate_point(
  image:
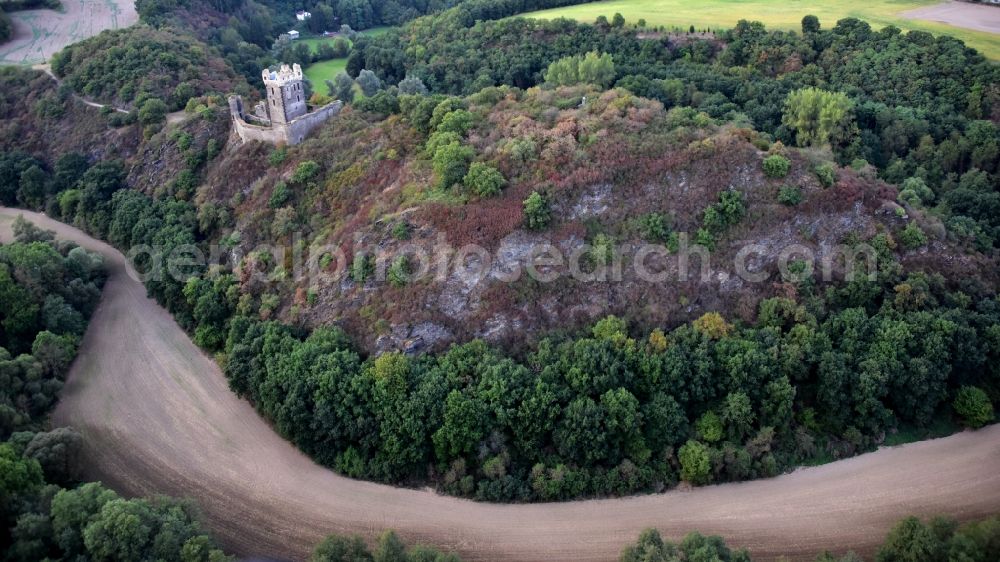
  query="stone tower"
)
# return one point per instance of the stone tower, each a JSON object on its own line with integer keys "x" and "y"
{"x": 286, "y": 94}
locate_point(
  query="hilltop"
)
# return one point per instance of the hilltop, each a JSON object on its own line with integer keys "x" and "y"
{"x": 607, "y": 167}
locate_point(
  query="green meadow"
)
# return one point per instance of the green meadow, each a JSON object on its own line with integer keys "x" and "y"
{"x": 318, "y": 73}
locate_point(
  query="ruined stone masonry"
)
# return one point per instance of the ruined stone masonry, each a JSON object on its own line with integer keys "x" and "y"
{"x": 284, "y": 118}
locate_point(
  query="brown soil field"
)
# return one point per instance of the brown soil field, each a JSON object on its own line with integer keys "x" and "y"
{"x": 158, "y": 417}
{"x": 977, "y": 17}
{"x": 38, "y": 34}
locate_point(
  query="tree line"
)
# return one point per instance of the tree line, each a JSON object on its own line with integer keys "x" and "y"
{"x": 247, "y": 30}
{"x": 48, "y": 290}
{"x": 938, "y": 540}
{"x": 610, "y": 413}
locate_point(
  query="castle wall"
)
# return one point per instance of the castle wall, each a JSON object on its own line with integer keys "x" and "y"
{"x": 300, "y": 128}
{"x": 248, "y": 132}
{"x": 281, "y": 133}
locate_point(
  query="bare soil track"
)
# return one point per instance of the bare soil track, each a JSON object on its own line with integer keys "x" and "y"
{"x": 158, "y": 418}
{"x": 978, "y": 17}
{"x": 39, "y": 34}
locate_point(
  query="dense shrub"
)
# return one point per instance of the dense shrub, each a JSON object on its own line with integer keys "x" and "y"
{"x": 368, "y": 82}
{"x": 591, "y": 68}
{"x": 727, "y": 212}
{"x": 153, "y": 111}
{"x": 912, "y": 237}
{"x": 279, "y": 195}
{"x": 656, "y": 227}
{"x": 789, "y": 195}
{"x": 776, "y": 166}
{"x": 536, "y": 211}
{"x": 973, "y": 406}
{"x": 484, "y": 180}
{"x": 915, "y": 192}
{"x": 695, "y": 462}
{"x": 819, "y": 117}
{"x": 826, "y": 174}
{"x": 451, "y": 163}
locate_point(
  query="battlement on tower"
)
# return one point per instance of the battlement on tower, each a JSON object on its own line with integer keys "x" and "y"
{"x": 282, "y": 76}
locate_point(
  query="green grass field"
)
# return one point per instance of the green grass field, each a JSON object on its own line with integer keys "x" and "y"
{"x": 778, "y": 14}
{"x": 318, "y": 73}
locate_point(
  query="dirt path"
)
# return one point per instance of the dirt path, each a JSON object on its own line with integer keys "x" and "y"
{"x": 39, "y": 34}
{"x": 978, "y": 17}
{"x": 47, "y": 69}
{"x": 159, "y": 418}
{"x": 172, "y": 118}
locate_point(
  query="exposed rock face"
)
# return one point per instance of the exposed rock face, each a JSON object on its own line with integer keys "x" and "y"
{"x": 415, "y": 339}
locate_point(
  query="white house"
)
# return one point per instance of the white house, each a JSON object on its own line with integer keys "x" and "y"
{"x": 293, "y": 35}
{"x": 303, "y": 15}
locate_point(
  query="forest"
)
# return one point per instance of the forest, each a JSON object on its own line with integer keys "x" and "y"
{"x": 139, "y": 65}
{"x": 610, "y": 414}
{"x": 247, "y": 32}
{"x": 47, "y": 292}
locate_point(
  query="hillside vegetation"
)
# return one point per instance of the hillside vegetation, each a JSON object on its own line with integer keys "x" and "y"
{"x": 598, "y": 141}
{"x": 911, "y": 110}
{"x": 129, "y": 67}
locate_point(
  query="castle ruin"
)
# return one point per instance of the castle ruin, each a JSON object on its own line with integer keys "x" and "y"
{"x": 284, "y": 117}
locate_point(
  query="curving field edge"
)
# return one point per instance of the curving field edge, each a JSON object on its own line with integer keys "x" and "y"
{"x": 158, "y": 417}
